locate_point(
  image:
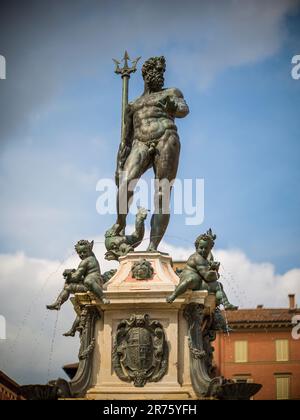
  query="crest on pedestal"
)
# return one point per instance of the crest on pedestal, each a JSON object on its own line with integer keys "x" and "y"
{"x": 140, "y": 352}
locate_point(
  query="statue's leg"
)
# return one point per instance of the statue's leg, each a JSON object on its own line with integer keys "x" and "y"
{"x": 223, "y": 299}
{"x": 213, "y": 286}
{"x": 62, "y": 298}
{"x": 180, "y": 289}
{"x": 165, "y": 169}
{"x": 94, "y": 287}
{"x": 186, "y": 282}
{"x": 74, "y": 327}
{"x": 138, "y": 161}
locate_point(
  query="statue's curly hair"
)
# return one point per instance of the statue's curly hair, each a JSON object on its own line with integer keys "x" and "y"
{"x": 207, "y": 237}
{"x": 150, "y": 64}
{"x": 84, "y": 242}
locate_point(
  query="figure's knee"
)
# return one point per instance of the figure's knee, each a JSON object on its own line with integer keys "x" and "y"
{"x": 219, "y": 296}
{"x": 213, "y": 287}
{"x": 88, "y": 283}
{"x": 91, "y": 284}
{"x": 186, "y": 284}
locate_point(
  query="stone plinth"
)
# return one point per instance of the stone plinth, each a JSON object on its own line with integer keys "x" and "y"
{"x": 131, "y": 296}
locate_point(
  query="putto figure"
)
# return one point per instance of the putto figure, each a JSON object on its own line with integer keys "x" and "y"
{"x": 151, "y": 140}
{"x": 202, "y": 272}
{"x": 86, "y": 278}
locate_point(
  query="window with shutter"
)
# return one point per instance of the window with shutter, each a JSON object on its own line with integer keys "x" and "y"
{"x": 283, "y": 388}
{"x": 282, "y": 350}
{"x": 241, "y": 351}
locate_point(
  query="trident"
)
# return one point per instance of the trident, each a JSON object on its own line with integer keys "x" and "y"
{"x": 125, "y": 74}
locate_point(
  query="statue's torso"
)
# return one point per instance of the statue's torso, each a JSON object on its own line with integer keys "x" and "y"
{"x": 194, "y": 261}
{"x": 92, "y": 266}
{"x": 150, "y": 120}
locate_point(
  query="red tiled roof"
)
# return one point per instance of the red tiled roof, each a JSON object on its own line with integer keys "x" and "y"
{"x": 256, "y": 317}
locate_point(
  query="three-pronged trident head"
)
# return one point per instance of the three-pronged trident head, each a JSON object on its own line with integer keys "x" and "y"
{"x": 126, "y": 70}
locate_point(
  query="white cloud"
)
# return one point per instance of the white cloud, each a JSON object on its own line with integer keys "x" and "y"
{"x": 28, "y": 284}
{"x": 256, "y": 283}
{"x": 229, "y": 34}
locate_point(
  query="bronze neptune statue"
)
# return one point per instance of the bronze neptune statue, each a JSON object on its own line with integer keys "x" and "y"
{"x": 150, "y": 140}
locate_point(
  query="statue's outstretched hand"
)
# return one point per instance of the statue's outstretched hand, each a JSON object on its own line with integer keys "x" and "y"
{"x": 168, "y": 105}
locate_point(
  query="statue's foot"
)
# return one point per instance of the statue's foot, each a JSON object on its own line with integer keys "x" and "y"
{"x": 230, "y": 307}
{"x": 69, "y": 334}
{"x": 54, "y": 307}
{"x": 170, "y": 299}
{"x": 151, "y": 248}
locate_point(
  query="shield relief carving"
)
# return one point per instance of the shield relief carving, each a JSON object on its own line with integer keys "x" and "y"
{"x": 140, "y": 351}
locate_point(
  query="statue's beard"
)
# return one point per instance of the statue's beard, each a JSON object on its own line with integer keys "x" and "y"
{"x": 155, "y": 81}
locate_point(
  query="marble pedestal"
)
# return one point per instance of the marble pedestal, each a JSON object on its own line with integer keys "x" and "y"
{"x": 130, "y": 296}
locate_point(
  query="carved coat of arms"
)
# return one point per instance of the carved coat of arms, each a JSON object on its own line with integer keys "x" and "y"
{"x": 140, "y": 352}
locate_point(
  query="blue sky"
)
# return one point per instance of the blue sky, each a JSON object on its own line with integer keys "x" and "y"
{"x": 60, "y": 128}
{"x": 61, "y": 115}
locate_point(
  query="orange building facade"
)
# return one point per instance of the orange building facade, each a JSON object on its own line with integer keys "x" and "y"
{"x": 260, "y": 348}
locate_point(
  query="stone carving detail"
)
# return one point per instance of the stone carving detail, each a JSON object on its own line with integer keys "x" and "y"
{"x": 201, "y": 334}
{"x": 140, "y": 352}
{"x": 86, "y": 326}
{"x": 142, "y": 270}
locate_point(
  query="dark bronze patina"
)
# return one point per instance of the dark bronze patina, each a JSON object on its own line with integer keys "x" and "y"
{"x": 202, "y": 272}
{"x": 87, "y": 277}
{"x": 150, "y": 140}
{"x": 119, "y": 244}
